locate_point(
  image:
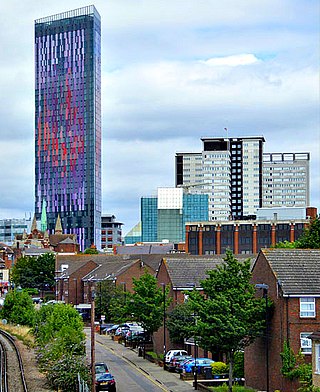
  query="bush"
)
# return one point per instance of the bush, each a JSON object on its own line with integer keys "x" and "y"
{"x": 235, "y": 388}
{"x": 238, "y": 366}
{"x": 219, "y": 368}
{"x": 18, "y": 308}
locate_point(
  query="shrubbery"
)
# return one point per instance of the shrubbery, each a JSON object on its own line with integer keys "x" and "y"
{"x": 18, "y": 308}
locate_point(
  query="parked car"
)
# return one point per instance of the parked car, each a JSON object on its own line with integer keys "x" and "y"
{"x": 112, "y": 329}
{"x": 172, "y": 353}
{"x": 175, "y": 362}
{"x": 189, "y": 365}
{"x": 105, "y": 382}
{"x": 100, "y": 368}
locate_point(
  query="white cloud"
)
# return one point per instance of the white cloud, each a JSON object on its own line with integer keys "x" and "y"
{"x": 232, "y": 61}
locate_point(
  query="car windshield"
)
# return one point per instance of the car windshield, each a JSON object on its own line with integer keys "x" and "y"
{"x": 104, "y": 377}
{"x": 100, "y": 368}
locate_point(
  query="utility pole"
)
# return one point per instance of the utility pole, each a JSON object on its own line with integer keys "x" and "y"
{"x": 93, "y": 373}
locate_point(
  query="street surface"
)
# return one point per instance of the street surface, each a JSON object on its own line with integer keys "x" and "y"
{"x": 128, "y": 377}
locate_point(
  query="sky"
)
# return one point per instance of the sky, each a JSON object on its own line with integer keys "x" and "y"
{"x": 173, "y": 71}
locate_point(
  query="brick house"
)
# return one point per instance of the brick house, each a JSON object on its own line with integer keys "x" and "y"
{"x": 315, "y": 338}
{"x": 182, "y": 274}
{"x": 293, "y": 280}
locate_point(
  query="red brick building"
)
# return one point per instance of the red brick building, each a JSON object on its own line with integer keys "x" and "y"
{"x": 293, "y": 280}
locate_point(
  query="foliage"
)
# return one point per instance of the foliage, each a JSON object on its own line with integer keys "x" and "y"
{"x": 238, "y": 367}
{"x": 179, "y": 322}
{"x": 32, "y": 272}
{"x": 289, "y": 359}
{"x": 219, "y": 368}
{"x": 18, "y": 308}
{"x": 91, "y": 251}
{"x": 228, "y": 315}
{"x": 62, "y": 375}
{"x": 155, "y": 355}
{"x": 294, "y": 367}
{"x": 286, "y": 244}
{"x": 107, "y": 295}
{"x": 52, "y": 318}
{"x": 21, "y": 332}
{"x": 145, "y": 304}
{"x": 61, "y": 346}
{"x": 235, "y": 388}
{"x": 310, "y": 238}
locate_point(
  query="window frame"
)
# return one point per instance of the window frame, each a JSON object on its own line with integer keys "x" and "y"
{"x": 305, "y": 313}
{"x": 304, "y": 346}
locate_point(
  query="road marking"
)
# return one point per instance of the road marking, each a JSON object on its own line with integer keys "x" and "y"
{"x": 132, "y": 364}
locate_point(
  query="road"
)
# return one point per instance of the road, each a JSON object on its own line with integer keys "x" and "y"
{"x": 128, "y": 377}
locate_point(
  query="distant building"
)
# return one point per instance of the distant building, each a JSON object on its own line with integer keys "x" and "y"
{"x": 286, "y": 180}
{"x": 111, "y": 232}
{"x": 134, "y": 235}
{"x": 163, "y": 217}
{"x": 244, "y": 236}
{"x": 240, "y": 178}
{"x": 9, "y": 228}
{"x": 68, "y": 122}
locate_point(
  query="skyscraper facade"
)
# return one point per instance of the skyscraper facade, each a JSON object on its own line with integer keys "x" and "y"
{"x": 286, "y": 180}
{"x": 229, "y": 170}
{"x": 68, "y": 122}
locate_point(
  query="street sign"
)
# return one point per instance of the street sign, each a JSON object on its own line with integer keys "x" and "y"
{"x": 103, "y": 317}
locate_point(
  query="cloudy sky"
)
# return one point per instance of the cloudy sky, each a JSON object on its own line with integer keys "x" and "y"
{"x": 172, "y": 72}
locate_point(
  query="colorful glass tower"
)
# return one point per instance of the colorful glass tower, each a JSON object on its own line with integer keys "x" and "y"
{"x": 68, "y": 122}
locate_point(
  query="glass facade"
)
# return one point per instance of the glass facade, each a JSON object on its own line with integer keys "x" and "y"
{"x": 68, "y": 122}
{"x": 169, "y": 223}
{"x": 149, "y": 219}
{"x": 9, "y": 228}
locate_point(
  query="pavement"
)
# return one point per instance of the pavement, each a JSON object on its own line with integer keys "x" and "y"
{"x": 169, "y": 382}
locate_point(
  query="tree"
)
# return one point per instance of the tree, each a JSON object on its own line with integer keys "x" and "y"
{"x": 228, "y": 316}
{"x": 179, "y": 322}
{"x": 109, "y": 296}
{"x": 146, "y": 302}
{"x": 91, "y": 251}
{"x": 310, "y": 238}
{"x": 18, "y": 308}
{"x": 31, "y": 272}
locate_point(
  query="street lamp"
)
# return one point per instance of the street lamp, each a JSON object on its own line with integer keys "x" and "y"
{"x": 265, "y": 288}
{"x": 164, "y": 324}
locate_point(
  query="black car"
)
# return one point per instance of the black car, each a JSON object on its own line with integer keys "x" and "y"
{"x": 105, "y": 382}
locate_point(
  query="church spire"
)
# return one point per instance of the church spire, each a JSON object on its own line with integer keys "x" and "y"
{"x": 44, "y": 223}
{"x": 34, "y": 224}
{"x": 58, "y": 228}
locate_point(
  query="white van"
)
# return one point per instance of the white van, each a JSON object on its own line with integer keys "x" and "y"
{"x": 172, "y": 353}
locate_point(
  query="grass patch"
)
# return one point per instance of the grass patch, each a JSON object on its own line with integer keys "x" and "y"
{"x": 21, "y": 332}
{"x": 155, "y": 355}
{"x": 235, "y": 388}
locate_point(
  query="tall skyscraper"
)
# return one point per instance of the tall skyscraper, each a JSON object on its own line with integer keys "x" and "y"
{"x": 68, "y": 122}
{"x": 229, "y": 170}
{"x": 286, "y": 180}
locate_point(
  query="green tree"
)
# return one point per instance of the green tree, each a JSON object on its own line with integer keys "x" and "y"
{"x": 91, "y": 251}
{"x": 146, "y": 302}
{"x": 51, "y": 318}
{"x": 18, "y": 308}
{"x": 228, "y": 316}
{"x": 106, "y": 294}
{"x": 179, "y": 322}
{"x": 310, "y": 238}
{"x": 32, "y": 272}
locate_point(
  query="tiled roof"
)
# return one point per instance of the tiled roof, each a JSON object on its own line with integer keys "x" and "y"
{"x": 144, "y": 249}
{"x": 111, "y": 269}
{"x": 185, "y": 272}
{"x": 55, "y": 239}
{"x": 297, "y": 270}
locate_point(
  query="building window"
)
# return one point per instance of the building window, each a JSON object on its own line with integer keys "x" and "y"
{"x": 307, "y": 307}
{"x": 305, "y": 343}
{"x": 317, "y": 358}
